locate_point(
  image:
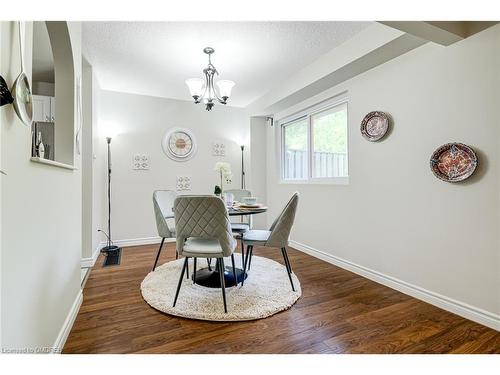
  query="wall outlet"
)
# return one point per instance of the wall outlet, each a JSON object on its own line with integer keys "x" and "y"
{"x": 218, "y": 149}
{"x": 140, "y": 162}
{"x": 183, "y": 183}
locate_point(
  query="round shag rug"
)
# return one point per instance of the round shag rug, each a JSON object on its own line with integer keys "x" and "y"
{"x": 266, "y": 291}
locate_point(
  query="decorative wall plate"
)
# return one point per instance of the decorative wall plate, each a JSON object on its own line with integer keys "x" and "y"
{"x": 179, "y": 144}
{"x": 374, "y": 126}
{"x": 453, "y": 162}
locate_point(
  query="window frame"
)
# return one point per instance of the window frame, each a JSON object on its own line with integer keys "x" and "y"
{"x": 309, "y": 113}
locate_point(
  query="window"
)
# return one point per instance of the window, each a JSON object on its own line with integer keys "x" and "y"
{"x": 296, "y": 141}
{"x": 314, "y": 144}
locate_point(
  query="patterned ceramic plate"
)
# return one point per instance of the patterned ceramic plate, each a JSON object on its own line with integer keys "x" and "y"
{"x": 374, "y": 126}
{"x": 453, "y": 162}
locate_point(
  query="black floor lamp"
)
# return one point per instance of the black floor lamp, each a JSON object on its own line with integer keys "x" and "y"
{"x": 242, "y": 168}
{"x": 113, "y": 252}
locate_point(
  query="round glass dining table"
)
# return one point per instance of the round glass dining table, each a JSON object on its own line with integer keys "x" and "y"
{"x": 209, "y": 276}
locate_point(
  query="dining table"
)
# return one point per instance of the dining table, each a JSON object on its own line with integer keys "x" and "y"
{"x": 209, "y": 276}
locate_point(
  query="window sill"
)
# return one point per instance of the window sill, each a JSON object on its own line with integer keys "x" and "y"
{"x": 318, "y": 181}
{"x": 52, "y": 163}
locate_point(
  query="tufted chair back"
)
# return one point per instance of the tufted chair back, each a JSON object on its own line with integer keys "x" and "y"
{"x": 163, "y": 203}
{"x": 203, "y": 216}
{"x": 280, "y": 230}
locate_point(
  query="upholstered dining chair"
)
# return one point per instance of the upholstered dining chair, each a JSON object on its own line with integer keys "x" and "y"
{"x": 163, "y": 203}
{"x": 203, "y": 231}
{"x": 277, "y": 236}
{"x": 238, "y": 228}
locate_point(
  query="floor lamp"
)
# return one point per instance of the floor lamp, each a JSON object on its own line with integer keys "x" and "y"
{"x": 242, "y": 168}
{"x": 113, "y": 252}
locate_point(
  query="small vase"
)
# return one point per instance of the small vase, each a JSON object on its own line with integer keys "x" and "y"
{"x": 41, "y": 150}
{"x": 41, "y": 146}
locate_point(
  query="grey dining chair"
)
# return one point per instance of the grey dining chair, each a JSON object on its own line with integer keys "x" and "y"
{"x": 238, "y": 195}
{"x": 163, "y": 203}
{"x": 203, "y": 231}
{"x": 277, "y": 236}
{"x": 238, "y": 228}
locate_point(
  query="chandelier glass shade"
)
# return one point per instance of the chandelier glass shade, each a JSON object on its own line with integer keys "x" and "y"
{"x": 203, "y": 90}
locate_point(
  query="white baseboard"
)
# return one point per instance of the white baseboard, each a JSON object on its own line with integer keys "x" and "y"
{"x": 138, "y": 241}
{"x": 465, "y": 310}
{"x": 89, "y": 262}
{"x": 68, "y": 324}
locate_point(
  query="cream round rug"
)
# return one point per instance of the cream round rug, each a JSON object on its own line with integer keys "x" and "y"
{"x": 266, "y": 291}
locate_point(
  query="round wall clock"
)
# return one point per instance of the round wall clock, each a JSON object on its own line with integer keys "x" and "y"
{"x": 179, "y": 144}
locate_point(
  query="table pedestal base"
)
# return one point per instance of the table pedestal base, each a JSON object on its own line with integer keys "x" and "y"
{"x": 211, "y": 279}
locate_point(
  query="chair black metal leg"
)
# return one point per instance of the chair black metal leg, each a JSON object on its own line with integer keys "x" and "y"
{"x": 242, "y": 251}
{"x": 159, "y": 251}
{"x": 234, "y": 270}
{"x": 288, "y": 266}
{"x": 250, "y": 260}
{"x": 249, "y": 252}
{"x": 209, "y": 262}
{"x": 287, "y": 263}
{"x": 288, "y": 260}
{"x": 194, "y": 270}
{"x": 180, "y": 280}
{"x": 220, "y": 261}
{"x": 187, "y": 270}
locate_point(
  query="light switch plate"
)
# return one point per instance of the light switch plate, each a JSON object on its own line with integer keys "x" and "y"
{"x": 218, "y": 149}
{"x": 183, "y": 183}
{"x": 140, "y": 162}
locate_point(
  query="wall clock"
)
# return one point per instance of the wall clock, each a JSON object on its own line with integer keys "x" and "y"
{"x": 179, "y": 144}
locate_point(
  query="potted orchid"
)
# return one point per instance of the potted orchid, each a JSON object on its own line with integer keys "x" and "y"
{"x": 224, "y": 170}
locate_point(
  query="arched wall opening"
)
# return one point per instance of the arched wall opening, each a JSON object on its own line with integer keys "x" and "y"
{"x": 60, "y": 42}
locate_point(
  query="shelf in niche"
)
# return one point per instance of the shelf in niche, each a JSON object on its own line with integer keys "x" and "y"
{"x": 53, "y": 163}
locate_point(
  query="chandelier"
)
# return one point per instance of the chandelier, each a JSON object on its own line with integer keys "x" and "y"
{"x": 204, "y": 90}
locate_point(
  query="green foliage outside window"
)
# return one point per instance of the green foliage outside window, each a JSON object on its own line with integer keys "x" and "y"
{"x": 329, "y": 133}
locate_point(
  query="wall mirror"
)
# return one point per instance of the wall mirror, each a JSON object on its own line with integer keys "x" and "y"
{"x": 53, "y": 88}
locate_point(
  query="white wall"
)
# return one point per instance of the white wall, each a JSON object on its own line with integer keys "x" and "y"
{"x": 142, "y": 121}
{"x": 93, "y": 169}
{"x": 258, "y": 167}
{"x": 395, "y": 217}
{"x": 43, "y": 88}
{"x": 99, "y": 176}
{"x": 1, "y": 197}
{"x": 65, "y": 74}
{"x": 40, "y": 223}
{"x": 87, "y": 161}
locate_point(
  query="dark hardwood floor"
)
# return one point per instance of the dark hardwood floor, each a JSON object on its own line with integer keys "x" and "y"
{"x": 339, "y": 312}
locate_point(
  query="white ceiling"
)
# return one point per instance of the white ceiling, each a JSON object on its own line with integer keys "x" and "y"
{"x": 155, "y": 58}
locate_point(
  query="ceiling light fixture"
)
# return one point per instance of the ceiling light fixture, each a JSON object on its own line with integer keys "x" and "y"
{"x": 204, "y": 90}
